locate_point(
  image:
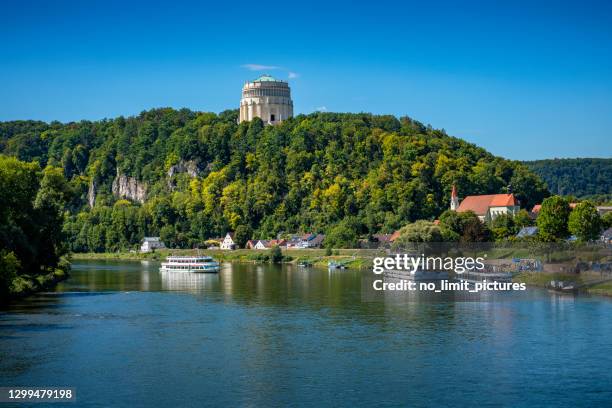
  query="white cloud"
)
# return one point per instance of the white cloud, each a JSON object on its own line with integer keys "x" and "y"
{"x": 321, "y": 109}
{"x": 259, "y": 67}
{"x": 293, "y": 75}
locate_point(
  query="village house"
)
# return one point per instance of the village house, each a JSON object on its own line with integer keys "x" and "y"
{"x": 305, "y": 241}
{"x": 228, "y": 241}
{"x": 150, "y": 244}
{"x": 265, "y": 243}
{"x": 487, "y": 207}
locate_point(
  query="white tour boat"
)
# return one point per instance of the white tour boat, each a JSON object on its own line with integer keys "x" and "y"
{"x": 190, "y": 264}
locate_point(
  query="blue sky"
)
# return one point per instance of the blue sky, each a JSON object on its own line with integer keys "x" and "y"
{"x": 525, "y": 80}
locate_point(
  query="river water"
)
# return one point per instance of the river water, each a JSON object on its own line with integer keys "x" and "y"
{"x": 123, "y": 334}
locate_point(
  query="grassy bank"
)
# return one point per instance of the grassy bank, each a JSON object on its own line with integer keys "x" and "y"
{"x": 353, "y": 258}
{"x": 587, "y": 280}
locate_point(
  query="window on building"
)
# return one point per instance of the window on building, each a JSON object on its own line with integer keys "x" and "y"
{"x": 272, "y": 118}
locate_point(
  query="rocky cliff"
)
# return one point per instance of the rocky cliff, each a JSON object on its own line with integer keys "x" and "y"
{"x": 129, "y": 187}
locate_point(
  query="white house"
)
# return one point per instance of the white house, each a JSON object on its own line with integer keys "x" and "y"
{"x": 228, "y": 241}
{"x": 262, "y": 244}
{"x": 150, "y": 244}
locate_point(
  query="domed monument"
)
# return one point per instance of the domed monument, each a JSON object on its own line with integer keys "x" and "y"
{"x": 266, "y": 98}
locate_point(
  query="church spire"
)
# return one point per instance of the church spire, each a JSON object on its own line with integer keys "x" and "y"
{"x": 454, "y": 202}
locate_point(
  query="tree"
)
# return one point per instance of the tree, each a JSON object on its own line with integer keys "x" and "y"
{"x": 475, "y": 230}
{"x": 522, "y": 219}
{"x": 9, "y": 266}
{"x": 503, "y": 226}
{"x": 418, "y": 231}
{"x": 32, "y": 205}
{"x": 553, "y": 218}
{"x": 342, "y": 235}
{"x": 242, "y": 234}
{"x": 276, "y": 255}
{"x": 606, "y": 220}
{"x": 584, "y": 222}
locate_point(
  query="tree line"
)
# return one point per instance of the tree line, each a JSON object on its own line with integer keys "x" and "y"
{"x": 346, "y": 175}
{"x": 581, "y": 177}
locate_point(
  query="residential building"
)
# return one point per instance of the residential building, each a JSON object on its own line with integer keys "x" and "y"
{"x": 228, "y": 241}
{"x": 150, "y": 244}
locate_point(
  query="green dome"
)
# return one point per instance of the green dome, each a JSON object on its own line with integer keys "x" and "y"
{"x": 266, "y": 78}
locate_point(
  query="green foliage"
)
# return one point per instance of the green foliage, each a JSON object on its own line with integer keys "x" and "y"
{"x": 9, "y": 266}
{"x": 584, "y": 222}
{"x": 578, "y": 177}
{"x": 348, "y": 175}
{"x": 503, "y": 226}
{"x": 342, "y": 235}
{"x": 419, "y": 231}
{"x": 522, "y": 219}
{"x": 606, "y": 220}
{"x": 553, "y": 218}
{"x": 242, "y": 235}
{"x": 475, "y": 230}
{"x": 464, "y": 227}
{"x": 328, "y": 251}
{"x": 32, "y": 206}
{"x": 276, "y": 255}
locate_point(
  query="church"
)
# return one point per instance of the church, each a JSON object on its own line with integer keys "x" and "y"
{"x": 487, "y": 207}
{"x": 266, "y": 98}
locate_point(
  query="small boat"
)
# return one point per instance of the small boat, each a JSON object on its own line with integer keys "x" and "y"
{"x": 198, "y": 263}
{"x": 305, "y": 264}
{"x": 335, "y": 265}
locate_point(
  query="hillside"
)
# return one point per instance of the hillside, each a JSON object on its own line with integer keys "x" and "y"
{"x": 577, "y": 177}
{"x": 189, "y": 176}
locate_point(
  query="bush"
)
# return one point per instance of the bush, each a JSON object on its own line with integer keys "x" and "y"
{"x": 276, "y": 255}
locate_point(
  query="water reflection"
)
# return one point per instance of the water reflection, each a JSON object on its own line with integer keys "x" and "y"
{"x": 275, "y": 335}
{"x": 188, "y": 281}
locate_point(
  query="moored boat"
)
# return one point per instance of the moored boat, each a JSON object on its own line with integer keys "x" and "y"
{"x": 200, "y": 264}
{"x": 335, "y": 265}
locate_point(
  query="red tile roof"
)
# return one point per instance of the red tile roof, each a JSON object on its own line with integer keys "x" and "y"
{"x": 394, "y": 236}
{"x": 480, "y": 204}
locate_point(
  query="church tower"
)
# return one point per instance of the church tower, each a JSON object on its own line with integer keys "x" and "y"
{"x": 266, "y": 98}
{"x": 454, "y": 202}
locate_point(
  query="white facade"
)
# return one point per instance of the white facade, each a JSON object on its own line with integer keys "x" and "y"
{"x": 266, "y": 98}
{"x": 151, "y": 243}
{"x": 494, "y": 212}
{"x": 228, "y": 242}
{"x": 260, "y": 245}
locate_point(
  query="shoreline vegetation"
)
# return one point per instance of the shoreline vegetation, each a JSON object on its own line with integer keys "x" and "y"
{"x": 589, "y": 281}
{"x": 26, "y": 285}
{"x": 352, "y": 258}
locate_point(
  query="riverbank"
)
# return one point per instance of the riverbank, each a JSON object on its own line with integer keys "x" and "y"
{"x": 589, "y": 282}
{"x": 26, "y": 285}
{"x": 352, "y": 258}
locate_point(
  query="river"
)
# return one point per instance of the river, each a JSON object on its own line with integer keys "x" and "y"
{"x": 123, "y": 334}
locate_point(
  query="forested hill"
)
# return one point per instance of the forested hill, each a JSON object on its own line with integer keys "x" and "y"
{"x": 188, "y": 176}
{"x": 578, "y": 177}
